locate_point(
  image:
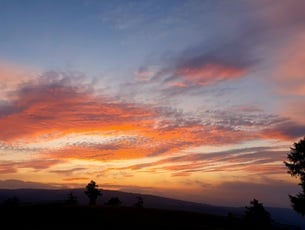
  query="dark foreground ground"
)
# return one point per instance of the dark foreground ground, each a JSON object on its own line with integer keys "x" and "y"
{"x": 58, "y": 216}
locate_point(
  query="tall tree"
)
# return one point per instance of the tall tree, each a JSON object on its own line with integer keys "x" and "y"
{"x": 92, "y": 192}
{"x": 296, "y": 167}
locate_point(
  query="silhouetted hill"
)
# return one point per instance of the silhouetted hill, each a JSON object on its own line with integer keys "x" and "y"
{"x": 128, "y": 199}
{"x": 56, "y": 196}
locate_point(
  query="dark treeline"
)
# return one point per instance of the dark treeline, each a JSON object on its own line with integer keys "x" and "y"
{"x": 69, "y": 213}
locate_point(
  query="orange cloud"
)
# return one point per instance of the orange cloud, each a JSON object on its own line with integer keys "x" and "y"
{"x": 7, "y": 169}
{"x": 48, "y": 110}
{"x": 69, "y": 126}
{"x": 150, "y": 142}
{"x": 43, "y": 109}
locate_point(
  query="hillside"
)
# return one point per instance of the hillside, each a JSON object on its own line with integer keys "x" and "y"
{"x": 37, "y": 201}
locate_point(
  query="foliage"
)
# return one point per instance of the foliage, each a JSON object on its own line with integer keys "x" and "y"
{"x": 296, "y": 167}
{"x": 298, "y": 203}
{"x": 256, "y": 215}
{"x": 92, "y": 192}
{"x": 114, "y": 201}
{"x": 296, "y": 159}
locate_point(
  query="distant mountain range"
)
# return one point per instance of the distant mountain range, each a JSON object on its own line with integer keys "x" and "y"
{"x": 280, "y": 215}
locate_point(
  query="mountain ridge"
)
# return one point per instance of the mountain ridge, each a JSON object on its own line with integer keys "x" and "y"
{"x": 45, "y": 195}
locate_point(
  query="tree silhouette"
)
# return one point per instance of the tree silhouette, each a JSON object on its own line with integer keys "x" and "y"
{"x": 92, "y": 192}
{"x": 296, "y": 168}
{"x": 256, "y": 215}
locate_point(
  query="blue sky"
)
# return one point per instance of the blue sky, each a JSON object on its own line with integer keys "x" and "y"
{"x": 198, "y": 96}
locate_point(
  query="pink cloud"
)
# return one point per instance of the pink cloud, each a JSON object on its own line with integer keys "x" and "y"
{"x": 289, "y": 77}
{"x": 12, "y": 75}
{"x": 209, "y": 73}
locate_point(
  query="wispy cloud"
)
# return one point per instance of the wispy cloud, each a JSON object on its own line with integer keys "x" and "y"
{"x": 10, "y": 166}
{"x": 258, "y": 160}
{"x": 66, "y": 171}
{"x": 55, "y": 106}
{"x": 63, "y": 119}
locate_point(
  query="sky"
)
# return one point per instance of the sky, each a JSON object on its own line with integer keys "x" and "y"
{"x": 189, "y": 99}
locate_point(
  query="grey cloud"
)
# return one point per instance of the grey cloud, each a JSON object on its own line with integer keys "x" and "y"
{"x": 243, "y": 119}
{"x": 67, "y": 171}
{"x": 288, "y": 129}
{"x": 18, "y": 147}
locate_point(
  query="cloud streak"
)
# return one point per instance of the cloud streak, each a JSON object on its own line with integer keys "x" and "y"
{"x": 257, "y": 160}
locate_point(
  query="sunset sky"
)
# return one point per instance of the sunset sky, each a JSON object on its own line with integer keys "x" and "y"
{"x": 195, "y": 100}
